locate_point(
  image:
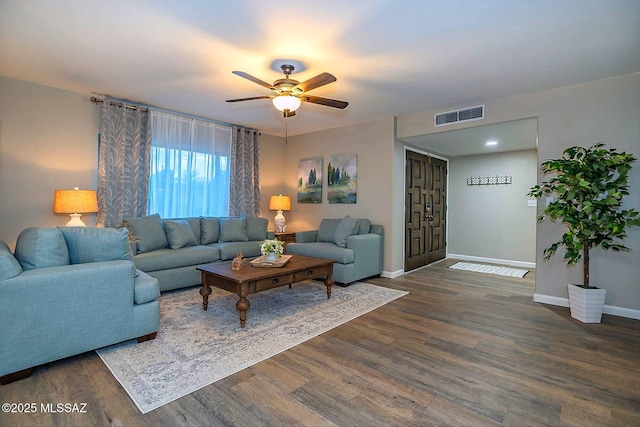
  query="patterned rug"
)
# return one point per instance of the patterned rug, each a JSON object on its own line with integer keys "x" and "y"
{"x": 491, "y": 269}
{"x": 195, "y": 348}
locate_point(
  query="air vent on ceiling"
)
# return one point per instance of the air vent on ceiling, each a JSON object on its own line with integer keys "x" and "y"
{"x": 464, "y": 115}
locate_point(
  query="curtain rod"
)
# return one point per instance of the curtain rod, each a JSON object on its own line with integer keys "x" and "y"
{"x": 145, "y": 109}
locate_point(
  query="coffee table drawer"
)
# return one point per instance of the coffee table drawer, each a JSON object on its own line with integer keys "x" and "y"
{"x": 273, "y": 282}
{"x": 311, "y": 273}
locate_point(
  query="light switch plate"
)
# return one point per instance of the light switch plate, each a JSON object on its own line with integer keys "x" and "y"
{"x": 532, "y": 203}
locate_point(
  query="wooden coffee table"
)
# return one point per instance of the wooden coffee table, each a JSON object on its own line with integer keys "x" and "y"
{"x": 250, "y": 280}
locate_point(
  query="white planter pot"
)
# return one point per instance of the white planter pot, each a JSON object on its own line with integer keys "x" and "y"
{"x": 586, "y": 304}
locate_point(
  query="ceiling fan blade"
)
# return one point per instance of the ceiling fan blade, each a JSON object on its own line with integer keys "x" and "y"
{"x": 314, "y": 82}
{"x": 249, "y": 99}
{"x": 324, "y": 101}
{"x": 253, "y": 79}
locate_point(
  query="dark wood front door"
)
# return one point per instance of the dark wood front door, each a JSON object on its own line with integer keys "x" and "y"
{"x": 425, "y": 210}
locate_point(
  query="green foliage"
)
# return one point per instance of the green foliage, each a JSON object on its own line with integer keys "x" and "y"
{"x": 588, "y": 188}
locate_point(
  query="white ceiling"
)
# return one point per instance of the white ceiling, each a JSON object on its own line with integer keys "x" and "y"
{"x": 390, "y": 58}
{"x": 510, "y": 136}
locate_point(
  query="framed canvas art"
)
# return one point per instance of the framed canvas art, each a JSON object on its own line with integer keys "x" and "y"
{"x": 341, "y": 178}
{"x": 310, "y": 180}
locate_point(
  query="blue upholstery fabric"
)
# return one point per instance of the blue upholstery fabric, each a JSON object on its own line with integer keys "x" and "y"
{"x": 327, "y": 230}
{"x": 78, "y": 308}
{"x": 162, "y": 259}
{"x": 233, "y": 230}
{"x": 362, "y": 257}
{"x": 364, "y": 226}
{"x": 257, "y": 228}
{"x": 347, "y": 227}
{"x": 148, "y": 232}
{"x": 229, "y": 250}
{"x": 90, "y": 244}
{"x": 209, "y": 230}
{"x": 179, "y": 233}
{"x": 41, "y": 248}
{"x": 146, "y": 288}
{"x": 9, "y": 265}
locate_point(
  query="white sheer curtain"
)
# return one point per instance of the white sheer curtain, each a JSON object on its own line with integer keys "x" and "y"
{"x": 190, "y": 167}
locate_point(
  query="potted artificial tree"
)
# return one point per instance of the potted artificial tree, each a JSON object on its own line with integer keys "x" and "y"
{"x": 587, "y": 192}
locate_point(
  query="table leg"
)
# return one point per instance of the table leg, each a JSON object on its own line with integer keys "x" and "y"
{"x": 205, "y": 291}
{"x": 329, "y": 282}
{"x": 242, "y": 305}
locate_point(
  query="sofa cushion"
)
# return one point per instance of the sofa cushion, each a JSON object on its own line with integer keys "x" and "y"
{"x": 209, "y": 230}
{"x": 9, "y": 265}
{"x": 91, "y": 244}
{"x": 348, "y": 227}
{"x": 364, "y": 226}
{"x": 146, "y": 288}
{"x": 233, "y": 230}
{"x": 229, "y": 250}
{"x": 162, "y": 259}
{"x": 327, "y": 230}
{"x": 322, "y": 250}
{"x": 257, "y": 228}
{"x": 179, "y": 233}
{"x": 41, "y": 248}
{"x": 148, "y": 232}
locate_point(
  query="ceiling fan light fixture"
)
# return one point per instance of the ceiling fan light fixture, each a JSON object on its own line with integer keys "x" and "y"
{"x": 286, "y": 102}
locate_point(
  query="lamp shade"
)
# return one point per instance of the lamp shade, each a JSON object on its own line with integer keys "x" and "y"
{"x": 280, "y": 203}
{"x": 75, "y": 201}
{"x": 286, "y": 102}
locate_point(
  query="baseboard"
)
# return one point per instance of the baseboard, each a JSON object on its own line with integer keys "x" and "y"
{"x": 613, "y": 310}
{"x": 493, "y": 260}
{"x": 392, "y": 274}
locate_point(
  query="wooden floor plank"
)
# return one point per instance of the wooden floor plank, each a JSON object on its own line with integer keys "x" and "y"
{"x": 461, "y": 348}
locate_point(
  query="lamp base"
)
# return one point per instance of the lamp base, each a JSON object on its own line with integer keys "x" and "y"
{"x": 75, "y": 221}
{"x": 280, "y": 223}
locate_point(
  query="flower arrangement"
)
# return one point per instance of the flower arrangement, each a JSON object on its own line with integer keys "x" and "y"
{"x": 272, "y": 246}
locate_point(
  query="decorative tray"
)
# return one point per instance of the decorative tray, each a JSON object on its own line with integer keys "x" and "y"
{"x": 260, "y": 262}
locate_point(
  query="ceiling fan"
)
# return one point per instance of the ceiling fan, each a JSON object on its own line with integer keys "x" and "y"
{"x": 289, "y": 93}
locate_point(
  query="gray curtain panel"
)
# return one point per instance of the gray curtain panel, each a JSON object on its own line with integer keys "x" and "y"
{"x": 123, "y": 170}
{"x": 244, "y": 195}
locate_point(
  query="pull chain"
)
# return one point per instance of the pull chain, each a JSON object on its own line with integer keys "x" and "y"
{"x": 286, "y": 131}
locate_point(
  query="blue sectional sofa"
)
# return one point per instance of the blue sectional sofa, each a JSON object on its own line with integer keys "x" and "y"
{"x": 170, "y": 249}
{"x": 68, "y": 290}
{"x": 355, "y": 245}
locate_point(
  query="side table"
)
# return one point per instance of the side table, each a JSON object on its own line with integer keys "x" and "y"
{"x": 288, "y": 237}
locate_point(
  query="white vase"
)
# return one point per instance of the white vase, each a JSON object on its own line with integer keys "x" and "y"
{"x": 586, "y": 304}
{"x": 271, "y": 257}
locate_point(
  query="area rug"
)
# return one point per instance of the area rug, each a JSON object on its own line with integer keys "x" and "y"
{"x": 491, "y": 269}
{"x": 195, "y": 348}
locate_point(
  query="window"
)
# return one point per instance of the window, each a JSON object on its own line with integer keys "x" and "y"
{"x": 190, "y": 167}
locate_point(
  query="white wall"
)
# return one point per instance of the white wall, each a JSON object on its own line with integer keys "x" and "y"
{"x": 493, "y": 221}
{"x": 48, "y": 140}
{"x": 605, "y": 110}
{"x": 373, "y": 143}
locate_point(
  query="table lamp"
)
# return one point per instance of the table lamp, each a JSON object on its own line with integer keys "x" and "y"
{"x": 280, "y": 203}
{"x": 75, "y": 202}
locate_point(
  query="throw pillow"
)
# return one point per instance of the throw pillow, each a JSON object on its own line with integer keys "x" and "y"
{"x": 348, "y": 227}
{"x": 90, "y": 244}
{"x": 209, "y": 230}
{"x": 257, "y": 228}
{"x": 179, "y": 233}
{"x": 364, "y": 226}
{"x": 41, "y": 248}
{"x": 327, "y": 230}
{"x": 9, "y": 265}
{"x": 233, "y": 230}
{"x": 148, "y": 232}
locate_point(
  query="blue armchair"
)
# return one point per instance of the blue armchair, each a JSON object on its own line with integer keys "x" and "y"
{"x": 355, "y": 245}
{"x": 67, "y": 291}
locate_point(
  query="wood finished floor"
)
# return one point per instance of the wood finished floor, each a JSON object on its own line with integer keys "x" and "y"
{"x": 462, "y": 349}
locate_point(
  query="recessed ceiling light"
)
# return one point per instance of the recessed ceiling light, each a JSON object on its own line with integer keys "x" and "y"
{"x": 492, "y": 143}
